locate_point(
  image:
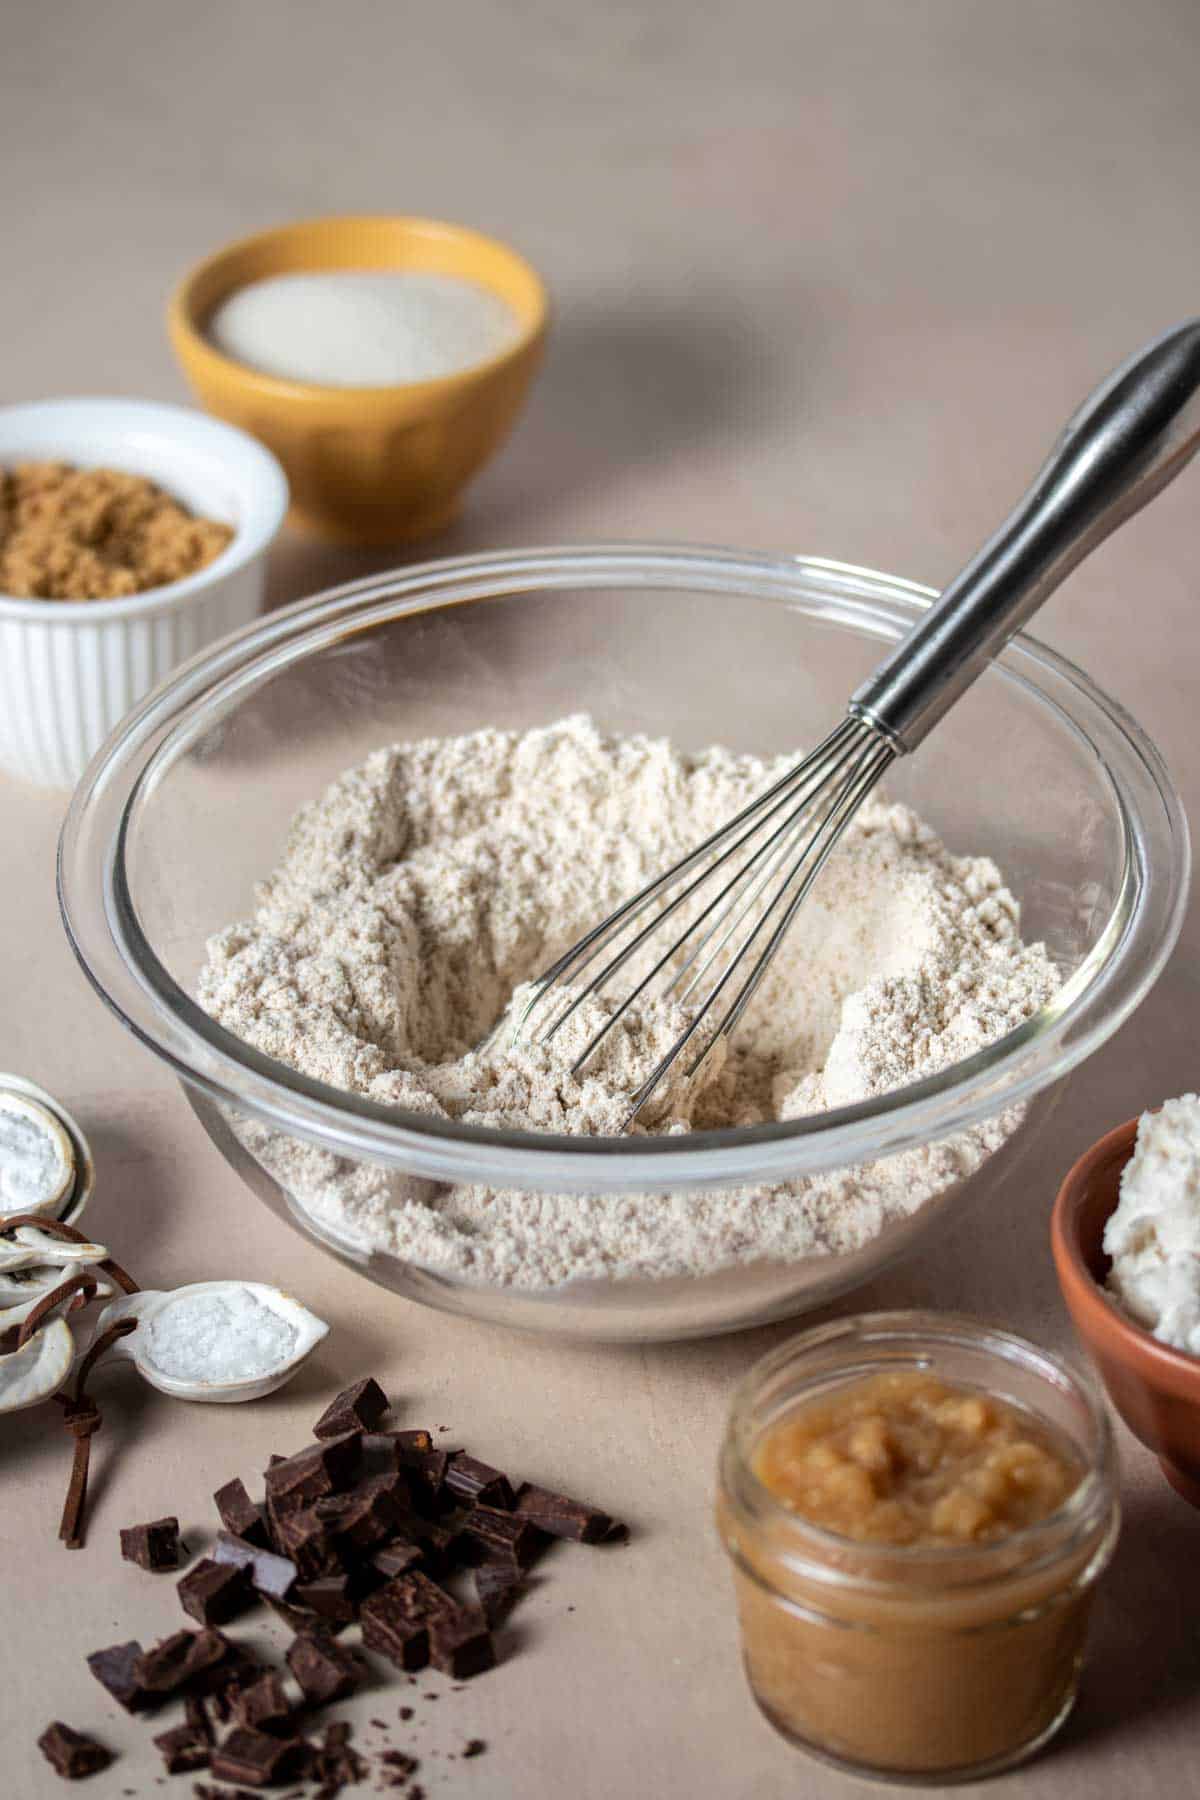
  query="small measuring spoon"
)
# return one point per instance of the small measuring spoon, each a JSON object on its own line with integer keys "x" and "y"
{"x": 77, "y": 1194}
{"x": 38, "y": 1369}
{"x": 149, "y": 1305}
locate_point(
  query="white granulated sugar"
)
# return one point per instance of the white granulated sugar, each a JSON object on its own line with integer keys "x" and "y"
{"x": 419, "y": 894}
{"x": 362, "y": 327}
{"x": 218, "y": 1336}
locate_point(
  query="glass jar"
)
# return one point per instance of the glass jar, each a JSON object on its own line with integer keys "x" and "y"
{"x": 922, "y": 1663}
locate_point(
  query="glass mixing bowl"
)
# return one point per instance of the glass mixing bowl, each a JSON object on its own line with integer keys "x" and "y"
{"x": 189, "y": 802}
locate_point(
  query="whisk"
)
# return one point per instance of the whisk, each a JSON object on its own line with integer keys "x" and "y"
{"x": 705, "y": 931}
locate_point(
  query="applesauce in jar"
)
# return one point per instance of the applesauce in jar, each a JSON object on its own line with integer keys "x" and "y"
{"x": 917, "y": 1509}
{"x": 906, "y": 1458}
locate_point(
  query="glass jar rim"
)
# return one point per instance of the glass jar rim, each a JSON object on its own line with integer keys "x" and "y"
{"x": 1023, "y": 1552}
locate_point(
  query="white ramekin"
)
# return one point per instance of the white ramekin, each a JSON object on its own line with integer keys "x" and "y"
{"x": 71, "y": 669}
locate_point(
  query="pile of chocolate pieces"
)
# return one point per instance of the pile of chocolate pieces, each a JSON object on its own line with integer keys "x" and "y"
{"x": 364, "y": 1527}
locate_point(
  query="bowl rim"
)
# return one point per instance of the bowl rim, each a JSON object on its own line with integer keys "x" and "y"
{"x": 1158, "y": 1364}
{"x": 101, "y": 921}
{"x": 256, "y": 472}
{"x": 185, "y": 328}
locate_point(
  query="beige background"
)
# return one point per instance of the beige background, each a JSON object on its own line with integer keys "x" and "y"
{"x": 827, "y": 277}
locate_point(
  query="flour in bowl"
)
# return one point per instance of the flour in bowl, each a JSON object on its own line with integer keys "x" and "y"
{"x": 420, "y": 893}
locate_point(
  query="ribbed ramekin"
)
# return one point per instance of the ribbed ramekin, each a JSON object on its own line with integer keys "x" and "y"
{"x": 70, "y": 670}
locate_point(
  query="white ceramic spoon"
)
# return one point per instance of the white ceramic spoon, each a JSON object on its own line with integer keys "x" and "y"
{"x": 38, "y": 1369}
{"x": 148, "y": 1305}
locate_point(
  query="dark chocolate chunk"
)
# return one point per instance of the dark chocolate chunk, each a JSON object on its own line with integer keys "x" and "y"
{"x": 504, "y": 1534}
{"x": 181, "y": 1658}
{"x": 303, "y": 1539}
{"x": 397, "y": 1559}
{"x": 359, "y": 1520}
{"x": 114, "y": 1670}
{"x": 182, "y": 1750}
{"x": 239, "y": 1514}
{"x": 473, "y": 1747}
{"x": 264, "y": 1704}
{"x": 325, "y": 1468}
{"x": 239, "y": 1671}
{"x": 154, "y": 1546}
{"x": 412, "y": 1443}
{"x": 268, "y": 1573}
{"x": 379, "y": 1453}
{"x": 477, "y": 1483}
{"x": 324, "y": 1669}
{"x": 213, "y": 1592}
{"x": 427, "y": 1482}
{"x": 70, "y": 1753}
{"x": 499, "y": 1586}
{"x": 460, "y": 1643}
{"x": 395, "y": 1621}
{"x": 357, "y": 1408}
{"x": 196, "y": 1714}
{"x": 255, "y": 1758}
{"x": 334, "y": 1763}
{"x": 401, "y": 1762}
{"x": 562, "y": 1517}
{"x": 329, "y": 1596}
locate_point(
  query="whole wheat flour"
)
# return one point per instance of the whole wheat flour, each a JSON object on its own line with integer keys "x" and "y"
{"x": 428, "y": 885}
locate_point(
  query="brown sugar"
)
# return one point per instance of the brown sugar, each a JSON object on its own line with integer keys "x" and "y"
{"x": 95, "y": 534}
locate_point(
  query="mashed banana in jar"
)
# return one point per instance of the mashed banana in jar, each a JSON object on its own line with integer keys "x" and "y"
{"x": 914, "y": 1551}
{"x": 905, "y": 1458}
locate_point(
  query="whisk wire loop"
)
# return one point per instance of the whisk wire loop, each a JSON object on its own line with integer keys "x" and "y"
{"x": 786, "y": 834}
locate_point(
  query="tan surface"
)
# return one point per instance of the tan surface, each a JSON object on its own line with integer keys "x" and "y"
{"x": 827, "y": 278}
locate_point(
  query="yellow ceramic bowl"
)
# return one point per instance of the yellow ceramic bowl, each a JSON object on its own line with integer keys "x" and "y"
{"x": 367, "y": 464}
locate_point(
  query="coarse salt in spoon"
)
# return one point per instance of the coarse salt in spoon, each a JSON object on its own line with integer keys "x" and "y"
{"x": 216, "y": 1341}
{"x": 37, "y": 1158}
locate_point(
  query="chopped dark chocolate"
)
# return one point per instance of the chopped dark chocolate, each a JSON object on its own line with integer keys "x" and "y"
{"x": 267, "y": 1572}
{"x": 505, "y": 1535}
{"x": 214, "y": 1592}
{"x": 325, "y": 1468}
{"x": 329, "y": 1596}
{"x": 397, "y": 1559}
{"x": 359, "y": 1520}
{"x": 357, "y": 1408}
{"x": 255, "y": 1758}
{"x": 264, "y": 1704}
{"x": 223, "y": 1684}
{"x": 154, "y": 1546}
{"x": 70, "y": 1753}
{"x": 324, "y": 1669}
{"x": 460, "y": 1643}
{"x": 176, "y": 1660}
{"x": 379, "y": 1453}
{"x": 412, "y": 1443}
{"x": 196, "y": 1714}
{"x": 477, "y": 1483}
{"x": 239, "y": 1514}
{"x": 395, "y": 1621}
{"x": 427, "y": 1482}
{"x": 183, "y": 1750}
{"x": 400, "y": 1761}
{"x": 499, "y": 1586}
{"x": 114, "y": 1668}
{"x": 334, "y": 1763}
{"x": 562, "y": 1517}
{"x": 303, "y": 1538}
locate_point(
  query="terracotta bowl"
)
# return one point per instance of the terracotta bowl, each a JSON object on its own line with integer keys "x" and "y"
{"x": 1155, "y": 1389}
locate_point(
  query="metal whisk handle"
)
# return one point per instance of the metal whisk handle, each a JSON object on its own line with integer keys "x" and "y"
{"x": 1126, "y": 442}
